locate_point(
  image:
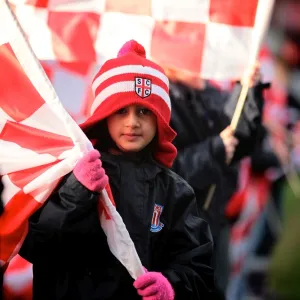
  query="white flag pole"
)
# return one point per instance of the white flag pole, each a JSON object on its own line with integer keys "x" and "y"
{"x": 37, "y": 75}
{"x": 262, "y": 21}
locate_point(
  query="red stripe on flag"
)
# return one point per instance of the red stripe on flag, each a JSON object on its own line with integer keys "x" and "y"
{"x": 18, "y": 97}
{"x": 13, "y": 222}
{"x": 233, "y": 12}
{"x": 74, "y": 35}
{"x": 184, "y": 40}
{"x": 49, "y": 69}
{"x": 110, "y": 195}
{"x": 23, "y": 177}
{"x": 80, "y": 67}
{"x": 35, "y": 139}
{"x": 38, "y": 3}
{"x": 18, "y": 271}
{"x": 18, "y": 264}
{"x": 101, "y": 206}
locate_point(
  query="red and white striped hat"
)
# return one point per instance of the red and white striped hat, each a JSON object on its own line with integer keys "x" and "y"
{"x": 132, "y": 79}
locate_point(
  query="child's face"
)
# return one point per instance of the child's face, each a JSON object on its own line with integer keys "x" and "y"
{"x": 132, "y": 128}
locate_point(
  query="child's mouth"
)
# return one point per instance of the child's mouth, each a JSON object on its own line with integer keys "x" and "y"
{"x": 132, "y": 136}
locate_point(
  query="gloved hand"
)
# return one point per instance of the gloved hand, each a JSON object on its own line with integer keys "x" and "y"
{"x": 89, "y": 172}
{"x": 154, "y": 286}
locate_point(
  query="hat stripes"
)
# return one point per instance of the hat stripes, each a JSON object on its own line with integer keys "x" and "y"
{"x": 127, "y": 69}
{"x": 125, "y": 87}
{"x": 130, "y": 77}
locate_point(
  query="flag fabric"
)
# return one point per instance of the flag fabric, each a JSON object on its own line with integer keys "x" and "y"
{"x": 17, "y": 281}
{"x": 191, "y": 39}
{"x": 78, "y": 99}
{"x": 212, "y": 39}
{"x": 39, "y": 144}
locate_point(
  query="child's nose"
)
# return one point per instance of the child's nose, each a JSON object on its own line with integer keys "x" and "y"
{"x": 132, "y": 120}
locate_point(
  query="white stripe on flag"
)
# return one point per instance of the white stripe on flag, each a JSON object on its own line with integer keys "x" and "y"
{"x": 233, "y": 43}
{"x": 130, "y": 26}
{"x": 95, "y": 6}
{"x": 35, "y": 22}
{"x": 119, "y": 241}
{"x": 41, "y": 119}
{"x": 42, "y": 194}
{"x": 15, "y": 158}
{"x": 54, "y": 173}
{"x": 3, "y": 37}
{"x": 192, "y": 11}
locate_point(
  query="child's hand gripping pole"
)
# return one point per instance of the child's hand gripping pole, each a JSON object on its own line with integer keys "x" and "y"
{"x": 90, "y": 173}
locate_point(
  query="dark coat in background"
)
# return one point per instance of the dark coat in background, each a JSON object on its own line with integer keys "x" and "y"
{"x": 198, "y": 117}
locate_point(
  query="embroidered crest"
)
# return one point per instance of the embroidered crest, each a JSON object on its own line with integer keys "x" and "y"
{"x": 143, "y": 87}
{"x": 156, "y": 224}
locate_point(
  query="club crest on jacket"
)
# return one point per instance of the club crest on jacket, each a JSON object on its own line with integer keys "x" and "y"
{"x": 156, "y": 224}
{"x": 143, "y": 87}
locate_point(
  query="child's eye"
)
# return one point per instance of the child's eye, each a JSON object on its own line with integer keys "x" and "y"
{"x": 145, "y": 111}
{"x": 121, "y": 111}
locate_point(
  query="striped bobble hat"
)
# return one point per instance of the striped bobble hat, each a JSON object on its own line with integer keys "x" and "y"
{"x": 132, "y": 79}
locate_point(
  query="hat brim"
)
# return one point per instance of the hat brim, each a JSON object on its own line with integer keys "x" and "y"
{"x": 165, "y": 133}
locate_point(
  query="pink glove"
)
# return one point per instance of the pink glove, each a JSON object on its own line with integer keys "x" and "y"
{"x": 154, "y": 286}
{"x": 89, "y": 172}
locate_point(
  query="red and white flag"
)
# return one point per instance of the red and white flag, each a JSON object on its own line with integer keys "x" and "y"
{"x": 210, "y": 39}
{"x": 39, "y": 144}
{"x": 17, "y": 281}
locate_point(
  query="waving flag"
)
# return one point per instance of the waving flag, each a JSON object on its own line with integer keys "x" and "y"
{"x": 210, "y": 39}
{"x": 39, "y": 144}
{"x": 213, "y": 39}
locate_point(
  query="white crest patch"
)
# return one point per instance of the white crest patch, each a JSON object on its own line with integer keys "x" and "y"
{"x": 143, "y": 87}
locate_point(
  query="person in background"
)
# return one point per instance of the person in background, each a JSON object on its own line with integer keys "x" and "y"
{"x": 209, "y": 150}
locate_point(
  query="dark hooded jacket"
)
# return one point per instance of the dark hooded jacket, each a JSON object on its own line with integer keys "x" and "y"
{"x": 69, "y": 251}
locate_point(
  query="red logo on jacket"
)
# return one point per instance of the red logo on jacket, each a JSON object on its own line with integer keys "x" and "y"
{"x": 156, "y": 224}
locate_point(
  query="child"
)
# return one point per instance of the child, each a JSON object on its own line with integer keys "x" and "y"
{"x": 129, "y": 125}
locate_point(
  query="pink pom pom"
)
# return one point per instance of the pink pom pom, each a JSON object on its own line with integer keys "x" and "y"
{"x": 132, "y": 46}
